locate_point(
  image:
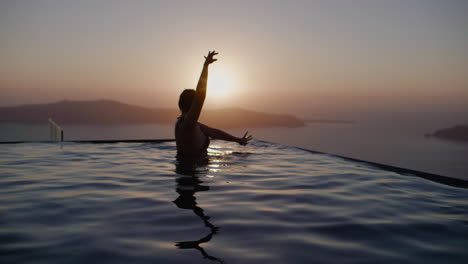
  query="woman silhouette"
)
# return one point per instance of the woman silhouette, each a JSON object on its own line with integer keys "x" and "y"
{"x": 192, "y": 137}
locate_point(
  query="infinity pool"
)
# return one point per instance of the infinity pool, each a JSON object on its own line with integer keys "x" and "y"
{"x": 263, "y": 203}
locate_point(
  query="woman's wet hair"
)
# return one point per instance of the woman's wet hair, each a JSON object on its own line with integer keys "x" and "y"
{"x": 185, "y": 100}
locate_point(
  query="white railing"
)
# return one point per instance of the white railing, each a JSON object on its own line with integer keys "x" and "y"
{"x": 55, "y": 131}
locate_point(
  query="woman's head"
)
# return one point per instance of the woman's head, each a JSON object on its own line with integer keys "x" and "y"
{"x": 185, "y": 100}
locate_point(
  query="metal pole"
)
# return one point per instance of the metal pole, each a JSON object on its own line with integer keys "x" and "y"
{"x": 55, "y": 132}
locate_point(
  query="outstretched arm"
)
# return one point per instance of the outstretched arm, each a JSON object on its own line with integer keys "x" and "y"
{"x": 219, "y": 134}
{"x": 194, "y": 113}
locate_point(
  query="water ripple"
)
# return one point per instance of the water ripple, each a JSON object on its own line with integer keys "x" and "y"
{"x": 134, "y": 203}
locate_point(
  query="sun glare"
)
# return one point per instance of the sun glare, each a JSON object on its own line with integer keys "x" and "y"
{"x": 220, "y": 84}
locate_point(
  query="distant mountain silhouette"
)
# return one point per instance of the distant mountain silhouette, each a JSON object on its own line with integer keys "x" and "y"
{"x": 113, "y": 112}
{"x": 459, "y": 133}
{"x": 341, "y": 121}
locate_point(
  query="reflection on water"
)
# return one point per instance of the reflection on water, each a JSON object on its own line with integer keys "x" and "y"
{"x": 190, "y": 171}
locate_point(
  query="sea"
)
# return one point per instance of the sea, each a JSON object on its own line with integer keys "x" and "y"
{"x": 403, "y": 145}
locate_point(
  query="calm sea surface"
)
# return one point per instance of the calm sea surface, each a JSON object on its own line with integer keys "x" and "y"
{"x": 391, "y": 143}
{"x": 263, "y": 203}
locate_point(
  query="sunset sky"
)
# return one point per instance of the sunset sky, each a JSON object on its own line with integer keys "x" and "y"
{"x": 301, "y": 57}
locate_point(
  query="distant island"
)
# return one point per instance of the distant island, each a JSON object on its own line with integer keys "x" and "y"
{"x": 458, "y": 133}
{"x": 113, "y": 112}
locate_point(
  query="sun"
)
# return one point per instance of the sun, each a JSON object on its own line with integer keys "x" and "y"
{"x": 220, "y": 84}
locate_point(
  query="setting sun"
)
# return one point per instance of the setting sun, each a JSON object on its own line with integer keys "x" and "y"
{"x": 220, "y": 83}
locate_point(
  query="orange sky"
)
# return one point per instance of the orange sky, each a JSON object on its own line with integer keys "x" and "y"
{"x": 303, "y": 57}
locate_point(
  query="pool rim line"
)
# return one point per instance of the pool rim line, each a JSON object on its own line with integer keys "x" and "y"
{"x": 454, "y": 182}
{"x": 93, "y": 141}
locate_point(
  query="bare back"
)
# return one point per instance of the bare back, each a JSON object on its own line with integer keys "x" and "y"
{"x": 190, "y": 139}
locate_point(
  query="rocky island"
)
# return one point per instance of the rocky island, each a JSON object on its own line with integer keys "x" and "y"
{"x": 458, "y": 133}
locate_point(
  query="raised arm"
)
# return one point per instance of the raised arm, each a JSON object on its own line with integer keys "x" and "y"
{"x": 193, "y": 114}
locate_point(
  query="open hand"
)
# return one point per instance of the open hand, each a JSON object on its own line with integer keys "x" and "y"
{"x": 209, "y": 59}
{"x": 245, "y": 139}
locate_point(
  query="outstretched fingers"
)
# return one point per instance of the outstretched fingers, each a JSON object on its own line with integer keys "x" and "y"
{"x": 246, "y": 138}
{"x": 209, "y": 58}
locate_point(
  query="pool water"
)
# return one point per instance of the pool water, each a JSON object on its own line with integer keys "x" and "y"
{"x": 262, "y": 203}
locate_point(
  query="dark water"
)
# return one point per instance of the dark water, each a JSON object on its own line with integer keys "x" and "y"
{"x": 264, "y": 203}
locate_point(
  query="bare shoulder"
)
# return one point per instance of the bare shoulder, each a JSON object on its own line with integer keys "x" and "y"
{"x": 182, "y": 125}
{"x": 206, "y": 129}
